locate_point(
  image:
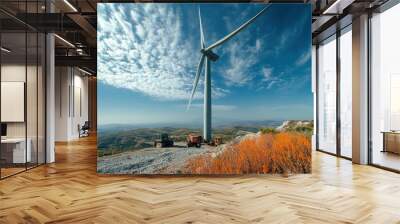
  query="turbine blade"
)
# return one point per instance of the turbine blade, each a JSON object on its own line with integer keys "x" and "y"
{"x": 202, "y": 44}
{"x": 233, "y": 33}
{"x": 196, "y": 80}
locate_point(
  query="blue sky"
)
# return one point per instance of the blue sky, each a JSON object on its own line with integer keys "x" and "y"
{"x": 148, "y": 53}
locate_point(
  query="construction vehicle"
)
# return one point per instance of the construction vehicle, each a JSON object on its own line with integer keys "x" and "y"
{"x": 194, "y": 140}
{"x": 163, "y": 141}
{"x": 217, "y": 141}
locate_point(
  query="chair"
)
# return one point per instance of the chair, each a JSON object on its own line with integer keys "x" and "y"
{"x": 84, "y": 130}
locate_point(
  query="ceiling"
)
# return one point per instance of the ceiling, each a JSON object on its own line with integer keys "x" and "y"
{"x": 75, "y": 23}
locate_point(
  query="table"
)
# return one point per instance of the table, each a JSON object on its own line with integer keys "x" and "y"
{"x": 391, "y": 141}
{"x": 13, "y": 150}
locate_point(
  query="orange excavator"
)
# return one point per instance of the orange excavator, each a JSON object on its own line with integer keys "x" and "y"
{"x": 194, "y": 140}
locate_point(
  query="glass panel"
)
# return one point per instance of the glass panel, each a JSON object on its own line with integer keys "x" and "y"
{"x": 23, "y": 91}
{"x": 31, "y": 100}
{"x": 346, "y": 93}
{"x": 41, "y": 99}
{"x": 32, "y": 88}
{"x": 386, "y": 89}
{"x": 13, "y": 88}
{"x": 327, "y": 96}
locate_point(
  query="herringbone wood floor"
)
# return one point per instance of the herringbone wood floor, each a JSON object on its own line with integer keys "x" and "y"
{"x": 70, "y": 191}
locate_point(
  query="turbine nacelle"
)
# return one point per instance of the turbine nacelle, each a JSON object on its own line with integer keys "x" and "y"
{"x": 209, "y": 54}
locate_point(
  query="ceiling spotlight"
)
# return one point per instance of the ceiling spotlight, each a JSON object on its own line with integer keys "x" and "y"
{"x": 337, "y": 7}
{"x": 65, "y": 41}
{"x": 79, "y": 51}
{"x": 5, "y": 50}
{"x": 84, "y": 71}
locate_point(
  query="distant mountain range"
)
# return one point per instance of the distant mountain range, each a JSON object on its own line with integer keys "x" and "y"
{"x": 114, "y": 139}
{"x": 224, "y": 124}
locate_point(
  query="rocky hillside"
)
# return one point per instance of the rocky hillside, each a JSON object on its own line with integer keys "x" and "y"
{"x": 294, "y": 125}
{"x": 113, "y": 141}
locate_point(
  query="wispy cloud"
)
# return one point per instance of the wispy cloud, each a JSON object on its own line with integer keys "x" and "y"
{"x": 304, "y": 58}
{"x": 267, "y": 73}
{"x": 141, "y": 47}
{"x": 287, "y": 35}
{"x": 269, "y": 80}
{"x": 243, "y": 55}
{"x": 289, "y": 107}
{"x": 145, "y": 48}
{"x": 215, "y": 107}
{"x": 243, "y": 51}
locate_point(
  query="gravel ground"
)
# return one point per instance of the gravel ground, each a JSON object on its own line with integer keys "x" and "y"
{"x": 169, "y": 160}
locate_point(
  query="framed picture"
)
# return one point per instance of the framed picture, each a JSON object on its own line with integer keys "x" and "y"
{"x": 213, "y": 89}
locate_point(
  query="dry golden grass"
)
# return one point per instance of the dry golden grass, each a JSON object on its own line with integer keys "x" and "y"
{"x": 283, "y": 153}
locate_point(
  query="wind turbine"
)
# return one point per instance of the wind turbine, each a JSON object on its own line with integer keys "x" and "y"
{"x": 207, "y": 55}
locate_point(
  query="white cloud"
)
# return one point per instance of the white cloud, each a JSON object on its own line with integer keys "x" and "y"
{"x": 242, "y": 57}
{"x": 269, "y": 79}
{"x": 267, "y": 73}
{"x": 242, "y": 51}
{"x": 215, "y": 107}
{"x": 141, "y": 48}
{"x": 283, "y": 40}
{"x": 303, "y": 58}
{"x": 293, "y": 106}
{"x": 290, "y": 33}
{"x": 258, "y": 44}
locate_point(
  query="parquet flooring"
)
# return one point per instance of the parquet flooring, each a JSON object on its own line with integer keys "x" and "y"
{"x": 10, "y": 171}
{"x": 70, "y": 191}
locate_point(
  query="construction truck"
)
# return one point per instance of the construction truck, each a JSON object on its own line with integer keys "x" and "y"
{"x": 194, "y": 140}
{"x": 163, "y": 141}
{"x": 217, "y": 141}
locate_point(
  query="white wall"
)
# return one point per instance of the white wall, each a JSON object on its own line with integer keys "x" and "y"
{"x": 71, "y": 102}
{"x": 12, "y": 73}
{"x": 62, "y": 81}
{"x": 16, "y": 73}
{"x": 33, "y": 127}
{"x": 13, "y": 101}
{"x": 80, "y": 110}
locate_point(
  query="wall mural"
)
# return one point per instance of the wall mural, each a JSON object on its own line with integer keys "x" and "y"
{"x": 204, "y": 88}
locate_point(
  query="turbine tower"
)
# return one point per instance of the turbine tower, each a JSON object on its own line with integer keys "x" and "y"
{"x": 207, "y": 55}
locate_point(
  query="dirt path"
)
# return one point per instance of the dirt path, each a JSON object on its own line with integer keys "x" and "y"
{"x": 152, "y": 160}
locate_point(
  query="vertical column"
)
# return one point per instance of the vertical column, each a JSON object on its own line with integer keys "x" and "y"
{"x": 50, "y": 92}
{"x": 338, "y": 109}
{"x": 360, "y": 89}
{"x": 314, "y": 91}
{"x": 92, "y": 101}
{"x": 63, "y": 101}
{"x": 317, "y": 104}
